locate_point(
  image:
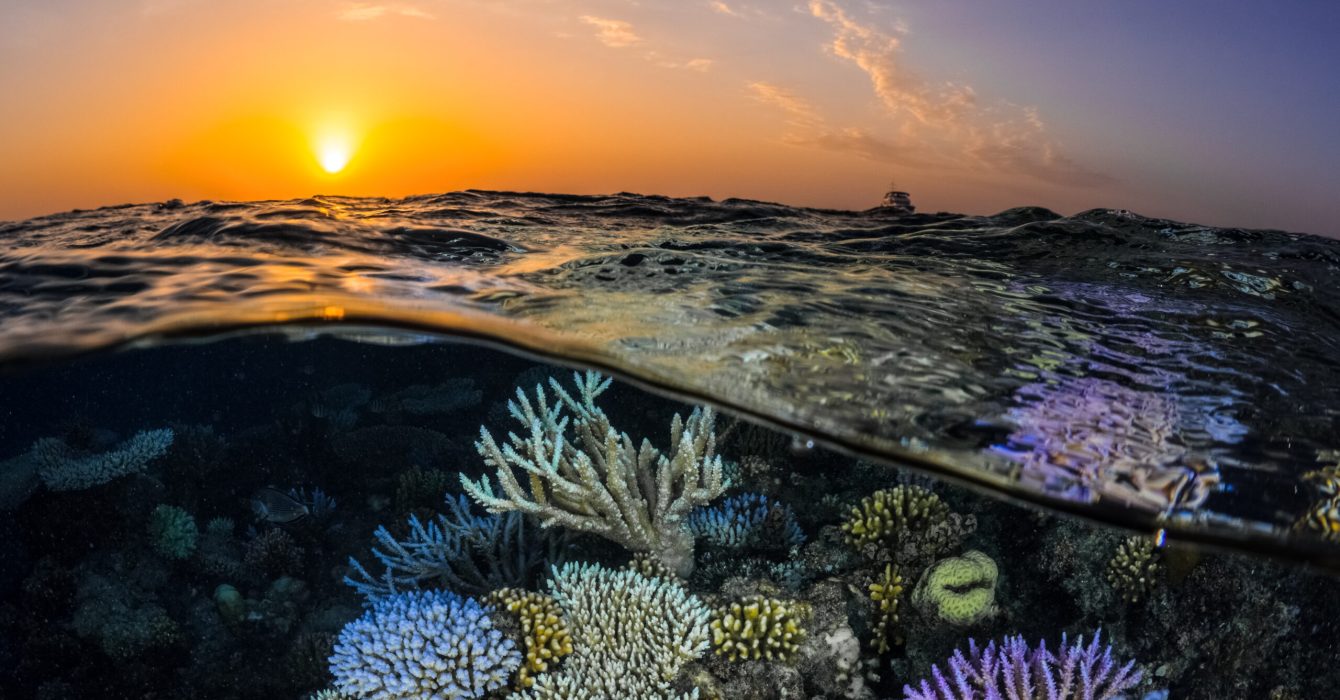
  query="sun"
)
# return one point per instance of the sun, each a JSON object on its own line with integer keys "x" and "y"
{"x": 333, "y": 153}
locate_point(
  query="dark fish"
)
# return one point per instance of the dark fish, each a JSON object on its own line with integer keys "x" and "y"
{"x": 275, "y": 506}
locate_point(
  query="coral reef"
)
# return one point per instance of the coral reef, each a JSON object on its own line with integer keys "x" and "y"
{"x": 1135, "y": 568}
{"x": 64, "y": 468}
{"x": 422, "y": 644}
{"x": 1014, "y": 670}
{"x": 908, "y": 524}
{"x": 543, "y": 632}
{"x": 758, "y": 628}
{"x": 650, "y": 566}
{"x": 886, "y": 592}
{"x": 602, "y": 482}
{"x": 422, "y": 399}
{"x": 747, "y": 520}
{"x": 172, "y": 532}
{"x": 123, "y": 623}
{"x": 469, "y": 553}
{"x": 419, "y": 488}
{"x": 958, "y": 591}
{"x": 631, "y": 636}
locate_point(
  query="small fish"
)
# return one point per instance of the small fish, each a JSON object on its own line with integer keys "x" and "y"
{"x": 275, "y": 506}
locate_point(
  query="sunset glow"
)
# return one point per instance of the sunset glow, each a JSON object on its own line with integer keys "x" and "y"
{"x": 1178, "y": 111}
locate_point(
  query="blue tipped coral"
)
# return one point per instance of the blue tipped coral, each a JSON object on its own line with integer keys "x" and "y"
{"x": 1014, "y": 670}
{"x": 422, "y": 644}
{"x": 747, "y": 520}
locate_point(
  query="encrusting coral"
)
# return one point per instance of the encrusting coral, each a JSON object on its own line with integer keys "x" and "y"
{"x": 631, "y": 636}
{"x": 759, "y": 628}
{"x": 958, "y": 591}
{"x": 886, "y": 591}
{"x": 1134, "y": 570}
{"x": 598, "y": 480}
{"x": 422, "y": 644}
{"x": 543, "y": 632}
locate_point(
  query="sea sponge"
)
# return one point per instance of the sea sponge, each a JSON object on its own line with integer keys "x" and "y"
{"x": 885, "y": 591}
{"x": 172, "y": 532}
{"x": 422, "y": 644}
{"x": 892, "y": 514}
{"x": 544, "y": 634}
{"x": 758, "y": 627}
{"x": 958, "y": 591}
{"x": 1134, "y": 569}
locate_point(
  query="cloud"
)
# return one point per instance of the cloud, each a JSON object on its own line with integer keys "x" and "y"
{"x": 800, "y": 111}
{"x": 362, "y": 12}
{"x": 613, "y": 32}
{"x": 947, "y": 120}
{"x": 860, "y": 142}
{"x": 724, "y": 9}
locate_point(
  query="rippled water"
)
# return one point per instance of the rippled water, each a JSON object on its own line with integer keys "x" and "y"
{"x": 1141, "y": 371}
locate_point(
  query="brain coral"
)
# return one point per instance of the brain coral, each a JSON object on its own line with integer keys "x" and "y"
{"x": 422, "y": 644}
{"x": 960, "y": 590}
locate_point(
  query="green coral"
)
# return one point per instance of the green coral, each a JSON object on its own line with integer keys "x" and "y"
{"x": 172, "y": 532}
{"x": 959, "y": 591}
{"x": 758, "y": 627}
{"x": 885, "y": 591}
{"x": 1134, "y": 570}
{"x": 892, "y": 514}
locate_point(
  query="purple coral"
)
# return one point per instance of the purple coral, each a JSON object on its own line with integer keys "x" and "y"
{"x": 1014, "y": 671}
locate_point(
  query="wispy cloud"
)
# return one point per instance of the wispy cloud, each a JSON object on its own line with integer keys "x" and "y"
{"x": 724, "y": 9}
{"x": 613, "y": 32}
{"x": 947, "y": 119}
{"x": 362, "y": 12}
{"x": 798, "y": 109}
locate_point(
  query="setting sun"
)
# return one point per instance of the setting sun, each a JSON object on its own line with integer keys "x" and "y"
{"x": 333, "y": 153}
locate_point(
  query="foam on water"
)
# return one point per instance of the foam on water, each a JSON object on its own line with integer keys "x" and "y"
{"x": 1141, "y": 371}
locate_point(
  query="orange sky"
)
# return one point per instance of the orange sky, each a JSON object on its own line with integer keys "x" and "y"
{"x": 819, "y": 104}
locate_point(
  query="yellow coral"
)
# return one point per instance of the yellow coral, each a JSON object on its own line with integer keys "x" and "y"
{"x": 1322, "y": 518}
{"x": 1134, "y": 569}
{"x": 885, "y": 593}
{"x": 885, "y": 515}
{"x": 650, "y": 566}
{"x": 758, "y": 627}
{"x": 544, "y": 634}
{"x": 959, "y": 591}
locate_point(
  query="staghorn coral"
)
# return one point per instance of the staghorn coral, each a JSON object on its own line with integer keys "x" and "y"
{"x": 543, "y": 632}
{"x": 599, "y": 480}
{"x": 631, "y": 636}
{"x": 958, "y": 591}
{"x": 469, "y": 553}
{"x": 747, "y": 520}
{"x": 1134, "y": 569}
{"x": 422, "y": 644}
{"x": 64, "y": 468}
{"x": 758, "y": 627}
{"x": 885, "y": 591}
{"x": 172, "y": 532}
{"x": 1013, "y": 670}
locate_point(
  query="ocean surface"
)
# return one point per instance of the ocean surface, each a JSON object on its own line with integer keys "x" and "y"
{"x": 1044, "y": 378}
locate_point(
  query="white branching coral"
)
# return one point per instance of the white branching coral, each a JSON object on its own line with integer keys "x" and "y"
{"x": 631, "y": 636}
{"x": 64, "y": 468}
{"x": 599, "y": 480}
